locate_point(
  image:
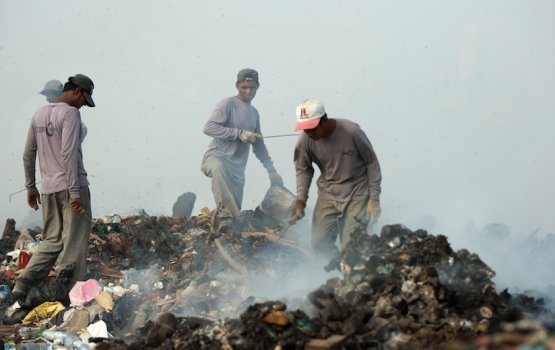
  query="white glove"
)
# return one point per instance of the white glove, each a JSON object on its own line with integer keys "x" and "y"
{"x": 249, "y": 136}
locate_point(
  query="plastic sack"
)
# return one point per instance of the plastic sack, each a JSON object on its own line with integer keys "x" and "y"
{"x": 275, "y": 207}
{"x": 83, "y": 292}
{"x": 43, "y": 312}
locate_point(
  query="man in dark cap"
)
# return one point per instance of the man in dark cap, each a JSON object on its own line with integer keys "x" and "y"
{"x": 234, "y": 126}
{"x": 52, "y": 91}
{"x": 54, "y": 135}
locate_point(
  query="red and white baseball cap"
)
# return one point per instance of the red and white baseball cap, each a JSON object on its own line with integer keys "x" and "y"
{"x": 309, "y": 113}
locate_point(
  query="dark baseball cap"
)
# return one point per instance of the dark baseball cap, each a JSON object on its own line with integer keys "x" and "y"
{"x": 247, "y": 74}
{"x": 86, "y": 85}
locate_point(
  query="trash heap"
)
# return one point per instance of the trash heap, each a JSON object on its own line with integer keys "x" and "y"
{"x": 173, "y": 282}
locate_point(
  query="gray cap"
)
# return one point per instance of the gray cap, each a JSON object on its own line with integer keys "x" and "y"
{"x": 247, "y": 74}
{"x": 52, "y": 88}
{"x": 86, "y": 85}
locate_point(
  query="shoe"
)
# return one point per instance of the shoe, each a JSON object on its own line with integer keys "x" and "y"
{"x": 16, "y": 317}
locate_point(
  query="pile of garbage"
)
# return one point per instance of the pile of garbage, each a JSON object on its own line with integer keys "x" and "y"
{"x": 174, "y": 282}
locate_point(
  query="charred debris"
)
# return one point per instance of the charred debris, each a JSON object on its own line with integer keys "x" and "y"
{"x": 175, "y": 283}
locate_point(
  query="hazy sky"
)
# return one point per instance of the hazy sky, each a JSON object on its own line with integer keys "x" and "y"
{"x": 458, "y": 98}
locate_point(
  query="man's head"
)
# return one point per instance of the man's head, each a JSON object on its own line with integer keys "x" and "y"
{"x": 79, "y": 90}
{"x": 247, "y": 84}
{"x": 247, "y": 74}
{"x": 52, "y": 90}
{"x": 309, "y": 113}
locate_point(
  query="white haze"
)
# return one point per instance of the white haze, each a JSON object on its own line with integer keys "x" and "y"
{"x": 456, "y": 97}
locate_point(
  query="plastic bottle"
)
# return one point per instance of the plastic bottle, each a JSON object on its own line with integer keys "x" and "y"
{"x": 9, "y": 345}
{"x": 35, "y": 346}
{"x": 29, "y": 332}
{"x": 68, "y": 340}
{"x": 55, "y": 336}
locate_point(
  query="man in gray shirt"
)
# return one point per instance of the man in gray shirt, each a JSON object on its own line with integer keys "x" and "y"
{"x": 52, "y": 90}
{"x": 55, "y": 137}
{"x": 349, "y": 186}
{"x": 234, "y": 126}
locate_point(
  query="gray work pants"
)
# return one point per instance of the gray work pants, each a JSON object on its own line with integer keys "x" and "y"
{"x": 332, "y": 218}
{"x": 65, "y": 232}
{"x": 227, "y": 186}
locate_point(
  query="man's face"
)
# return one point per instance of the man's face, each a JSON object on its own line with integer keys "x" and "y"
{"x": 247, "y": 90}
{"x": 79, "y": 99}
{"x": 316, "y": 133}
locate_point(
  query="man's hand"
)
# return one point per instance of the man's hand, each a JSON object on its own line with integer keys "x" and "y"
{"x": 33, "y": 200}
{"x": 297, "y": 212}
{"x": 373, "y": 211}
{"x": 76, "y": 204}
{"x": 275, "y": 178}
{"x": 249, "y": 136}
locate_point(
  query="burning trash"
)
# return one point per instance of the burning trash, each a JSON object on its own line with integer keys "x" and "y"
{"x": 175, "y": 282}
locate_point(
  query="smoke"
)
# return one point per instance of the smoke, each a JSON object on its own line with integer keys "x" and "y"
{"x": 462, "y": 114}
{"x": 522, "y": 261}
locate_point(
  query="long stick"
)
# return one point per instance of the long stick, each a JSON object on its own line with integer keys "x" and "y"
{"x": 11, "y": 194}
{"x": 282, "y": 135}
{"x": 235, "y": 264}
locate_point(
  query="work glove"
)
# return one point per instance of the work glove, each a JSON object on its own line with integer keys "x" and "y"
{"x": 297, "y": 212}
{"x": 249, "y": 136}
{"x": 373, "y": 211}
{"x": 275, "y": 178}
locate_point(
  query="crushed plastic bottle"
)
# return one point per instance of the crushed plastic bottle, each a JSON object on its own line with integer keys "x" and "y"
{"x": 29, "y": 332}
{"x": 9, "y": 345}
{"x": 56, "y": 337}
{"x": 112, "y": 219}
{"x": 35, "y": 346}
{"x": 68, "y": 340}
{"x": 384, "y": 269}
{"x": 116, "y": 290}
{"x": 32, "y": 245}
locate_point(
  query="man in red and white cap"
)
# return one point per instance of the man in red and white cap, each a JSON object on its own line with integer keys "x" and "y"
{"x": 349, "y": 186}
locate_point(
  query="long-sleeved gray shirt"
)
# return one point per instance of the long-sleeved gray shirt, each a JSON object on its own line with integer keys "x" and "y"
{"x": 55, "y": 136}
{"x": 229, "y": 117}
{"x": 347, "y": 162}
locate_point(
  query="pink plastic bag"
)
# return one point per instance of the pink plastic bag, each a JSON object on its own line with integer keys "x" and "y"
{"x": 83, "y": 292}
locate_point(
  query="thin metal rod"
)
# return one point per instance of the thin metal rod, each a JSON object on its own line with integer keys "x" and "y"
{"x": 282, "y": 135}
{"x": 11, "y": 194}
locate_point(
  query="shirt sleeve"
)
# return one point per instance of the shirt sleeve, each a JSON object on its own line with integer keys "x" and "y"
{"x": 216, "y": 125}
{"x": 71, "y": 147}
{"x": 373, "y": 170}
{"x": 29, "y": 161}
{"x": 304, "y": 170}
